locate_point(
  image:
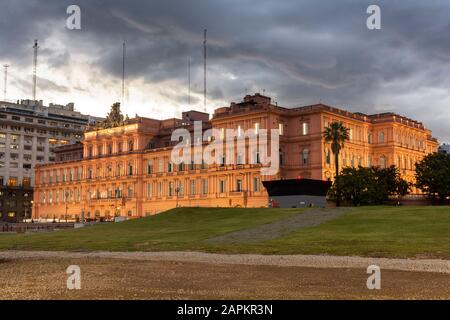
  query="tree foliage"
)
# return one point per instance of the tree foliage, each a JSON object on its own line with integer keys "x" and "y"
{"x": 369, "y": 186}
{"x": 433, "y": 175}
{"x": 336, "y": 134}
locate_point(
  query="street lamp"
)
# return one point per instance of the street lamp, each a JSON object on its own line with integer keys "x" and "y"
{"x": 177, "y": 191}
{"x": 67, "y": 195}
{"x": 32, "y": 203}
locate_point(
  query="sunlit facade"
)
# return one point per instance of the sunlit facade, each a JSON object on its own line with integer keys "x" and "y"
{"x": 128, "y": 171}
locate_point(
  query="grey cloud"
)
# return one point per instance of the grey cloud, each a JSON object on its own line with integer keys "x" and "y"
{"x": 301, "y": 52}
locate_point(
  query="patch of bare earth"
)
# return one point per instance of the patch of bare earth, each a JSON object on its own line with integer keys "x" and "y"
{"x": 106, "y": 278}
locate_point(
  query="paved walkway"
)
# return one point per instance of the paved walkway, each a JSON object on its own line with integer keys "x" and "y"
{"x": 281, "y": 227}
{"x": 314, "y": 261}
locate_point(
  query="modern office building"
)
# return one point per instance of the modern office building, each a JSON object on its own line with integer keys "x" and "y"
{"x": 129, "y": 170}
{"x": 29, "y": 134}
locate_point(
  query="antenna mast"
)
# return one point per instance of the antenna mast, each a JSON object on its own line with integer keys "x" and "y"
{"x": 6, "y": 80}
{"x": 35, "y": 47}
{"x": 189, "y": 81}
{"x": 123, "y": 73}
{"x": 204, "y": 70}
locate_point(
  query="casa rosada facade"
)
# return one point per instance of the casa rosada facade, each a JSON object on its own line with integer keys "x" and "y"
{"x": 127, "y": 170}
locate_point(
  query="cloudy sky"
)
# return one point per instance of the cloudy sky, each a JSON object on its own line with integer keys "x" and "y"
{"x": 298, "y": 52}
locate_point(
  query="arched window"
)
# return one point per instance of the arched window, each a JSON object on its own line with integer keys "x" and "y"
{"x": 305, "y": 157}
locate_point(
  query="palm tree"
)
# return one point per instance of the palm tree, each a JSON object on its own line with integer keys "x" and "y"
{"x": 337, "y": 134}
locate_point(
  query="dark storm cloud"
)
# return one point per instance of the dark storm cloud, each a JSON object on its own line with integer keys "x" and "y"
{"x": 300, "y": 52}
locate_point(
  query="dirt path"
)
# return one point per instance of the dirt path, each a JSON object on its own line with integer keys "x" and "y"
{"x": 281, "y": 227}
{"x": 314, "y": 261}
{"x": 106, "y": 278}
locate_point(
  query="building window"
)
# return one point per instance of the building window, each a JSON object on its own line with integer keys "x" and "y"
{"x": 305, "y": 128}
{"x": 130, "y": 145}
{"x": 119, "y": 147}
{"x": 256, "y": 184}
{"x": 12, "y": 182}
{"x": 149, "y": 189}
{"x": 239, "y": 159}
{"x": 369, "y": 138}
{"x": 169, "y": 167}
{"x": 239, "y": 185}
{"x": 99, "y": 150}
{"x": 257, "y": 158}
{"x": 383, "y": 162}
{"x": 170, "y": 189}
{"x": 305, "y": 157}
{"x": 381, "y": 137}
{"x": 160, "y": 165}
{"x": 149, "y": 167}
{"x": 130, "y": 169}
{"x": 130, "y": 192}
{"x": 281, "y": 128}
{"x": 26, "y": 182}
{"x": 327, "y": 156}
{"x": 239, "y": 131}
{"x": 180, "y": 188}
{"x": 192, "y": 187}
{"x": 256, "y": 128}
{"x": 159, "y": 189}
{"x": 108, "y": 149}
{"x": 204, "y": 186}
{"x": 118, "y": 192}
{"x": 222, "y": 186}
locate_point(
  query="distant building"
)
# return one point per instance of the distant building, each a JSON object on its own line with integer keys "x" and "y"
{"x": 15, "y": 203}
{"x": 444, "y": 148}
{"x": 29, "y": 134}
{"x": 69, "y": 152}
{"x": 128, "y": 170}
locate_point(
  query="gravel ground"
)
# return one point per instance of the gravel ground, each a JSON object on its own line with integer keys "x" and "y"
{"x": 106, "y": 278}
{"x": 281, "y": 227}
{"x": 313, "y": 261}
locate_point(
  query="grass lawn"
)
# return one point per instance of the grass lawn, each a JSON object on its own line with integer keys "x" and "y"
{"x": 365, "y": 231}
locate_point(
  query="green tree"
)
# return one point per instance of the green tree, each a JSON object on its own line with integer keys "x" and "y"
{"x": 114, "y": 118}
{"x": 369, "y": 186}
{"x": 336, "y": 134}
{"x": 433, "y": 175}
